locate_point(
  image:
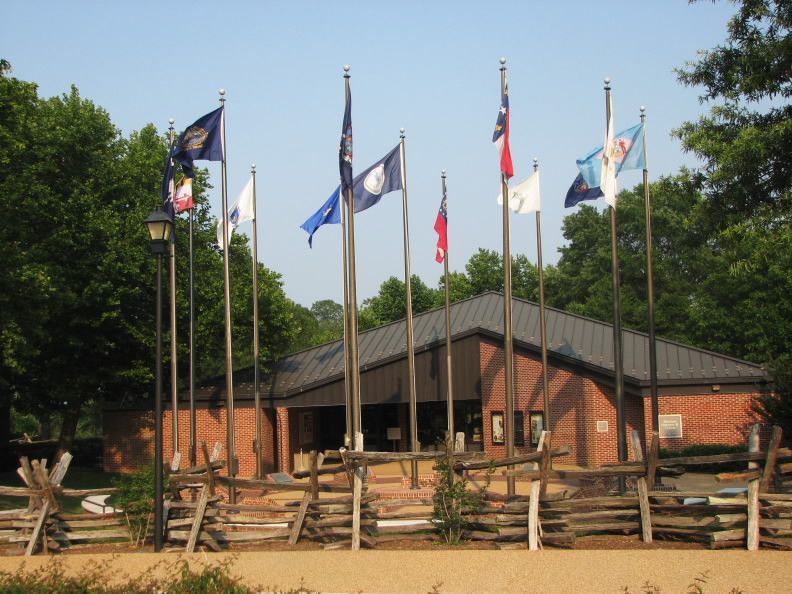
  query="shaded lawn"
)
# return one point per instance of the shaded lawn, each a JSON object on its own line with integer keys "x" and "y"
{"x": 76, "y": 478}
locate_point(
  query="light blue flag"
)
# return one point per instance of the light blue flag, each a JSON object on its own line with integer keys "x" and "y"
{"x": 368, "y": 187}
{"x": 631, "y": 143}
{"x": 329, "y": 213}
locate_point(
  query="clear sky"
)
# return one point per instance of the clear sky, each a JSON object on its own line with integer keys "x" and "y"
{"x": 430, "y": 67}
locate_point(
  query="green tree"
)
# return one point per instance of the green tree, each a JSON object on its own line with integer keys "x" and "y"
{"x": 390, "y": 304}
{"x": 745, "y": 142}
{"x": 485, "y": 273}
{"x": 460, "y": 287}
{"x": 76, "y": 290}
{"x": 329, "y": 316}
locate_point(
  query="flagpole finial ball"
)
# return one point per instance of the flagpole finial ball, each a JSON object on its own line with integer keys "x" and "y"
{"x": 535, "y": 162}
{"x": 222, "y": 92}
{"x": 643, "y": 109}
{"x": 347, "y": 67}
{"x": 253, "y": 167}
{"x": 502, "y": 61}
{"x": 443, "y": 172}
{"x": 607, "y": 81}
{"x": 401, "y": 131}
{"x": 171, "y": 121}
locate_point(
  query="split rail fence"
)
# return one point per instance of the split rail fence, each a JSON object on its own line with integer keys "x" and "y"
{"x": 344, "y": 512}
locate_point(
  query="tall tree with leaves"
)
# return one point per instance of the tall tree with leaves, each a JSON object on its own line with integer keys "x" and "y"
{"x": 745, "y": 142}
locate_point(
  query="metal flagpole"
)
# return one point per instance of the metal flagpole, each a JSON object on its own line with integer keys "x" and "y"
{"x": 231, "y": 451}
{"x": 618, "y": 359}
{"x": 173, "y": 346}
{"x": 347, "y": 361}
{"x": 449, "y": 360}
{"x": 542, "y": 320}
{"x": 256, "y": 378}
{"x": 354, "y": 356}
{"x": 508, "y": 347}
{"x": 193, "y": 420}
{"x": 650, "y": 288}
{"x": 414, "y": 445}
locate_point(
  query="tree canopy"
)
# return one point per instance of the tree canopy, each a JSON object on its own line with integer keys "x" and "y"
{"x": 77, "y": 284}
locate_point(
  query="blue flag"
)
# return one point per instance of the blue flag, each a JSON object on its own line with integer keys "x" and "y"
{"x": 368, "y": 187}
{"x": 376, "y": 181}
{"x": 329, "y": 213}
{"x": 579, "y": 191}
{"x": 345, "y": 148}
{"x": 202, "y": 141}
{"x": 630, "y": 145}
{"x": 168, "y": 187}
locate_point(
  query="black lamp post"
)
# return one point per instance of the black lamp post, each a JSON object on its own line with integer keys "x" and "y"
{"x": 160, "y": 227}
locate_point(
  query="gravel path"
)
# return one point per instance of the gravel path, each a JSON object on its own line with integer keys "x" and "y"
{"x": 550, "y": 571}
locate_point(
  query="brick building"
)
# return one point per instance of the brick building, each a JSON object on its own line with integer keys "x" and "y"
{"x": 704, "y": 397}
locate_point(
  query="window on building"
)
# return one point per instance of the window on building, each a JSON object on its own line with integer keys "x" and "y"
{"x": 519, "y": 428}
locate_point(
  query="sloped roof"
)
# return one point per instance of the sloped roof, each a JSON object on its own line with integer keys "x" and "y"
{"x": 571, "y": 338}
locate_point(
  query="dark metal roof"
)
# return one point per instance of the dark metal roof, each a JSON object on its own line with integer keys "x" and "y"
{"x": 571, "y": 338}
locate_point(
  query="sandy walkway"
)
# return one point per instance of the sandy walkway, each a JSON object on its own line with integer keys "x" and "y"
{"x": 551, "y": 571}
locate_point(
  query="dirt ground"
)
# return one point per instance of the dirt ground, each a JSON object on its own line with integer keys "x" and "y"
{"x": 473, "y": 571}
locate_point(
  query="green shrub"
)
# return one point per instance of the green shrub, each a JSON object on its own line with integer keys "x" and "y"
{"x": 51, "y": 578}
{"x": 453, "y": 500}
{"x": 135, "y": 496}
{"x": 708, "y": 449}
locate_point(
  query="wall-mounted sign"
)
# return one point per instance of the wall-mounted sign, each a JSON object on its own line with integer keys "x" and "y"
{"x": 394, "y": 433}
{"x": 602, "y": 426}
{"x": 306, "y": 428}
{"x": 670, "y": 426}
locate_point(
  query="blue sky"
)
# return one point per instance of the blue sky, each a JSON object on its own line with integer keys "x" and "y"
{"x": 430, "y": 67}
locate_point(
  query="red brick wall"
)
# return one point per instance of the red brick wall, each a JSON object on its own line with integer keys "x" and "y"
{"x": 129, "y": 438}
{"x": 708, "y": 418}
{"x": 283, "y": 442}
{"x": 576, "y": 402}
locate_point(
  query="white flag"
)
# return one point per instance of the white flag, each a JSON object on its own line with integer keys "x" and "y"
{"x": 609, "y": 160}
{"x": 243, "y": 210}
{"x": 524, "y": 197}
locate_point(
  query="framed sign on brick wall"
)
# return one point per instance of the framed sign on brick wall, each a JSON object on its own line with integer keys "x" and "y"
{"x": 498, "y": 433}
{"x": 670, "y": 426}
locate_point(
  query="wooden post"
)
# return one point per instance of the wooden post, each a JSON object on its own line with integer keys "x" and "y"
{"x": 772, "y": 456}
{"x": 40, "y": 476}
{"x": 314, "y": 476}
{"x": 210, "y": 477}
{"x": 356, "y": 493}
{"x": 25, "y": 471}
{"x": 643, "y": 497}
{"x": 545, "y": 463}
{"x": 533, "y": 516}
{"x": 299, "y": 520}
{"x": 40, "y": 522}
{"x": 200, "y": 510}
{"x": 58, "y": 472}
{"x": 752, "y": 529}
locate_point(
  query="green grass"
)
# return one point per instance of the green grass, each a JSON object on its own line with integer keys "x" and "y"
{"x": 76, "y": 478}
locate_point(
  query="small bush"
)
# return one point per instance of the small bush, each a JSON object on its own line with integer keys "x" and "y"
{"x": 135, "y": 496}
{"x": 52, "y": 578}
{"x": 452, "y": 500}
{"x": 708, "y": 449}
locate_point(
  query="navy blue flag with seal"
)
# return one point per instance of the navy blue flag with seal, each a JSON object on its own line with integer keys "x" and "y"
{"x": 368, "y": 187}
{"x": 168, "y": 186}
{"x": 580, "y": 191}
{"x": 202, "y": 141}
{"x": 345, "y": 148}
